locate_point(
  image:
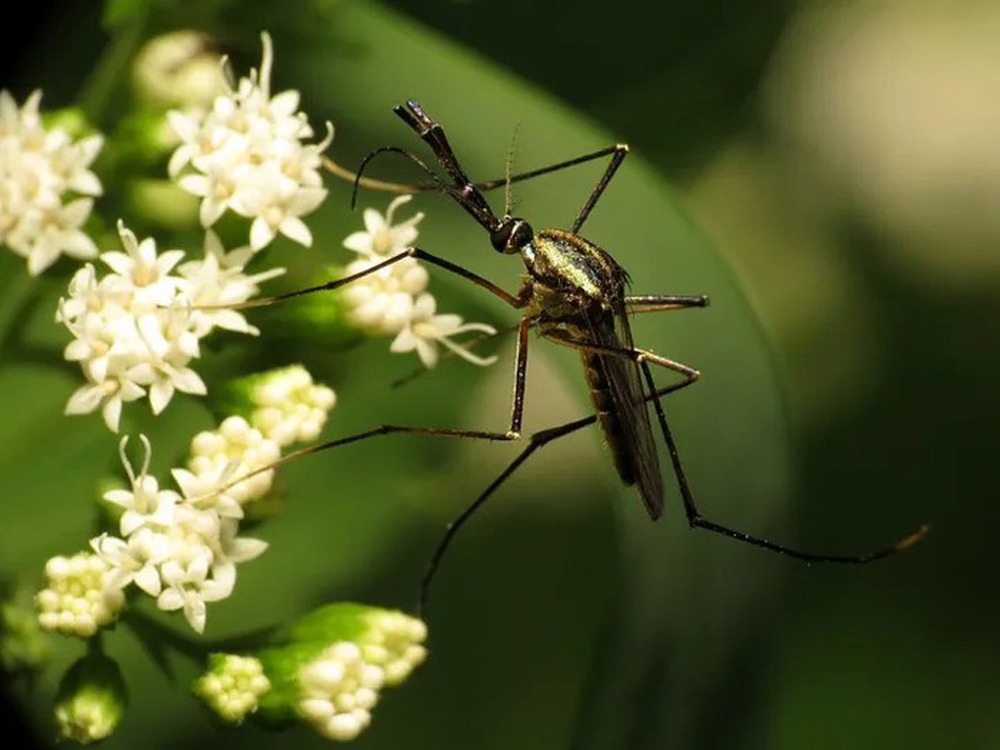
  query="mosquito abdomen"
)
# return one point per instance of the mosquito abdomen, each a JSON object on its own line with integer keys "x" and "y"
{"x": 611, "y": 427}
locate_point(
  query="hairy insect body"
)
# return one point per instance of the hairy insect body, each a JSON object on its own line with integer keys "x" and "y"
{"x": 577, "y": 293}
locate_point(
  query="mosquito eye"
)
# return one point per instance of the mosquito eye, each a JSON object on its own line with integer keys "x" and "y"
{"x": 522, "y": 235}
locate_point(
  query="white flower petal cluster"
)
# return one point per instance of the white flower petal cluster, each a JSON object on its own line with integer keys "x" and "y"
{"x": 289, "y": 406}
{"x": 79, "y": 598}
{"x": 180, "y": 547}
{"x": 395, "y": 642}
{"x": 136, "y": 329}
{"x": 394, "y": 301}
{"x": 246, "y": 154}
{"x": 338, "y": 690}
{"x": 235, "y": 449}
{"x": 46, "y": 186}
{"x": 233, "y": 686}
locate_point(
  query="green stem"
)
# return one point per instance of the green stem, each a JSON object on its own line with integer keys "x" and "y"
{"x": 194, "y": 647}
{"x": 106, "y": 77}
{"x": 20, "y": 295}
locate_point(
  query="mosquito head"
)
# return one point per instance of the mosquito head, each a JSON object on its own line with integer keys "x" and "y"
{"x": 512, "y": 235}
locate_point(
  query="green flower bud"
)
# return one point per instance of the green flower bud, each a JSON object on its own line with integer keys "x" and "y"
{"x": 91, "y": 700}
{"x": 23, "y": 645}
{"x": 232, "y": 686}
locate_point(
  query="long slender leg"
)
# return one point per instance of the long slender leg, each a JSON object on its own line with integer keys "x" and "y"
{"x": 697, "y": 521}
{"x": 536, "y": 441}
{"x": 648, "y": 303}
{"x": 513, "y": 430}
{"x": 412, "y": 252}
{"x": 618, "y": 156}
{"x": 417, "y": 187}
{"x": 639, "y": 356}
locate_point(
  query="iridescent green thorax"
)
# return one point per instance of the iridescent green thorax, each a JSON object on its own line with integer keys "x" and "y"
{"x": 580, "y": 272}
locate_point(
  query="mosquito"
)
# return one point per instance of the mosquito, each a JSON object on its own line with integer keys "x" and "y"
{"x": 576, "y": 295}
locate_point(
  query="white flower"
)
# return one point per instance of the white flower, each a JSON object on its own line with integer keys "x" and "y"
{"x": 46, "y": 186}
{"x": 189, "y": 587}
{"x": 382, "y": 302}
{"x": 79, "y": 597}
{"x": 218, "y": 279}
{"x": 137, "y": 329}
{"x": 134, "y": 560}
{"x": 425, "y": 330}
{"x": 233, "y": 686}
{"x": 145, "y": 504}
{"x": 338, "y": 690}
{"x": 381, "y": 238}
{"x": 246, "y": 154}
{"x": 290, "y": 408}
{"x": 213, "y": 452}
{"x": 394, "y": 642}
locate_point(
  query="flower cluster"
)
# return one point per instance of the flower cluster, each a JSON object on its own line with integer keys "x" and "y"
{"x": 46, "y": 186}
{"x": 340, "y": 686}
{"x": 180, "y": 546}
{"x": 288, "y": 406}
{"x": 329, "y": 671}
{"x": 137, "y": 329}
{"x": 232, "y": 686}
{"x": 78, "y": 598}
{"x": 246, "y": 155}
{"x": 394, "y": 300}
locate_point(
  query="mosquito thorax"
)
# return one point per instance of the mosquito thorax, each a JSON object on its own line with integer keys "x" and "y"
{"x": 512, "y": 236}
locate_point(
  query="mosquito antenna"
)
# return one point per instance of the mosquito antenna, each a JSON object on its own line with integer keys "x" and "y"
{"x": 508, "y": 171}
{"x": 438, "y": 182}
{"x": 374, "y": 184}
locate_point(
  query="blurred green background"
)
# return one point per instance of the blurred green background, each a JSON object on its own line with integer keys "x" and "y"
{"x": 828, "y": 172}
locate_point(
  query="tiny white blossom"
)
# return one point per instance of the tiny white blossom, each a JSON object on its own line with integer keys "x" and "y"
{"x": 218, "y": 279}
{"x": 395, "y": 642}
{"x": 144, "y": 504}
{"x": 246, "y": 154}
{"x": 134, "y": 560}
{"x": 290, "y": 407}
{"x": 381, "y": 238}
{"x": 137, "y": 329}
{"x": 46, "y": 186}
{"x": 425, "y": 330}
{"x": 78, "y": 598}
{"x": 189, "y": 587}
{"x": 381, "y": 303}
{"x": 213, "y": 451}
{"x": 233, "y": 686}
{"x": 338, "y": 690}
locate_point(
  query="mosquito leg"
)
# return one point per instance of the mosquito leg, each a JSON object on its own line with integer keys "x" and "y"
{"x": 656, "y": 302}
{"x": 536, "y": 441}
{"x": 697, "y": 521}
{"x": 513, "y": 431}
{"x": 638, "y": 356}
{"x": 412, "y": 252}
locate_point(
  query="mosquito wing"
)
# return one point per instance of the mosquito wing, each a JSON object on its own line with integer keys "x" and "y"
{"x": 627, "y": 426}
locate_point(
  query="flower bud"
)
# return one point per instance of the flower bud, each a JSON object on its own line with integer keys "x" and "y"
{"x": 232, "y": 686}
{"x": 91, "y": 700}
